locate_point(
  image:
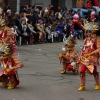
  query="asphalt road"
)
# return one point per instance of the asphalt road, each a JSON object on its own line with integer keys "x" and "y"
{"x": 40, "y": 78}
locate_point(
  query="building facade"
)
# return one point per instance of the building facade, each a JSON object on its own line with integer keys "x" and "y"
{"x": 15, "y": 5}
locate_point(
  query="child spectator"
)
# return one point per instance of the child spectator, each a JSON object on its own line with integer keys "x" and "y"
{"x": 60, "y": 28}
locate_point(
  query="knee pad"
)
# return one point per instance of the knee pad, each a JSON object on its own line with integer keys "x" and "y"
{"x": 82, "y": 74}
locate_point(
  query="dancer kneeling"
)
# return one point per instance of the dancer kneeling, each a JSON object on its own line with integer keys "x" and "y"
{"x": 68, "y": 56}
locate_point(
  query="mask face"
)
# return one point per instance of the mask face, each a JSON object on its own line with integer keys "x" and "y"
{"x": 5, "y": 50}
{"x": 89, "y": 34}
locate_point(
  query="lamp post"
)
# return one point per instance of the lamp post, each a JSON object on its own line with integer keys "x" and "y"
{"x": 18, "y": 5}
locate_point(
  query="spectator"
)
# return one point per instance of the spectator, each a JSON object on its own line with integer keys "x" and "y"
{"x": 67, "y": 29}
{"x": 12, "y": 25}
{"x": 67, "y": 15}
{"x": 46, "y": 9}
{"x": 51, "y": 7}
{"x": 23, "y": 16}
{"x": 23, "y": 27}
{"x": 54, "y": 31}
{"x": 8, "y": 17}
{"x": 42, "y": 34}
{"x": 51, "y": 16}
{"x": 36, "y": 37}
{"x": 25, "y": 9}
{"x": 16, "y": 19}
{"x": 78, "y": 12}
{"x": 72, "y": 12}
{"x": 59, "y": 15}
{"x": 35, "y": 16}
{"x": 30, "y": 8}
{"x": 59, "y": 29}
{"x": 88, "y": 4}
{"x": 29, "y": 15}
{"x": 64, "y": 11}
{"x": 33, "y": 33}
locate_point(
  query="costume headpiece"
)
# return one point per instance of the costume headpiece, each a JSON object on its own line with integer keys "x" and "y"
{"x": 7, "y": 39}
{"x": 91, "y": 26}
{"x": 69, "y": 42}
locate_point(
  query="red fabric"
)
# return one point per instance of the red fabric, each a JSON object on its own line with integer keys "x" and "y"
{"x": 78, "y": 23}
{"x": 92, "y": 17}
{"x": 72, "y": 28}
{"x": 6, "y": 2}
{"x": 16, "y": 80}
{"x": 1, "y": 34}
{"x": 88, "y": 5}
{"x": 94, "y": 42}
{"x": 32, "y": 37}
{"x": 5, "y": 34}
{"x": 69, "y": 67}
{"x": 84, "y": 68}
{"x": 96, "y": 3}
{"x": 75, "y": 20}
{"x": 7, "y": 65}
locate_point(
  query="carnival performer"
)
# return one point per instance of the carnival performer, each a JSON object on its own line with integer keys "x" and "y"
{"x": 8, "y": 60}
{"x": 89, "y": 57}
{"x": 68, "y": 56}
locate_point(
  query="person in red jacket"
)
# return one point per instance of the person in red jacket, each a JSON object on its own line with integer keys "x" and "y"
{"x": 78, "y": 28}
{"x": 93, "y": 16}
{"x": 96, "y": 3}
{"x": 88, "y": 4}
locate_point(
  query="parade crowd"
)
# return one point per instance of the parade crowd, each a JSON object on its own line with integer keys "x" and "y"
{"x": 34, "y": 25}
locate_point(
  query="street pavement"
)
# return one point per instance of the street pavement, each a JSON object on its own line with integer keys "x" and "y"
{"x": 40, "y": 78}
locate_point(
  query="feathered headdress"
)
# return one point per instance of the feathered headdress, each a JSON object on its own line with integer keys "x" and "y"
{"x": 69, "y": 42}
{"x": 91, "y": 26}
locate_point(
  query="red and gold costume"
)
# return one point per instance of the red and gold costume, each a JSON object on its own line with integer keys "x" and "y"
{"x": 8, "y": 60}
{"x": 68, "y": 57}
{"x": 89, "y": 59}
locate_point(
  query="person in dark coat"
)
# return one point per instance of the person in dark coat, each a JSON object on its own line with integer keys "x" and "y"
{"x": 23, "y": 29}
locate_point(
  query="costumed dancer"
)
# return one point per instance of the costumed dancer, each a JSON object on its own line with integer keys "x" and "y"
{"x": 8, "y": 60}
{"x": 89, "y": 57}
{"x": 68, "y": 56}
